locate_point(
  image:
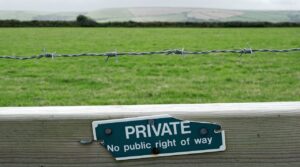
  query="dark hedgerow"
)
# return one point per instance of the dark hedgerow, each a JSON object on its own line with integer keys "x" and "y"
{"x": 83, "y": 21}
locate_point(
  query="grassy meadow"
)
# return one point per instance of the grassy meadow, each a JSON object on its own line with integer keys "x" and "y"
{"x": 156, "y": 79}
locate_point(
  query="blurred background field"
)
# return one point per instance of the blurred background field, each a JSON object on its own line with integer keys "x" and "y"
{"x": 148, "y": 79}
{"x": 162, "y": 14}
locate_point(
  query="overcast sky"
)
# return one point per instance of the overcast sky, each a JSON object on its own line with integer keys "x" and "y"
{"x": 86, "y": 5}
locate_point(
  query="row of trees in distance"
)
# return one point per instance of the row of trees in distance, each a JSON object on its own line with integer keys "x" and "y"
{"x": 83, "y": 21}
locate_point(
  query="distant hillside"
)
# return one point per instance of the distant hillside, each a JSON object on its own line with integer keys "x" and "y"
{"x": 160, "y": 14}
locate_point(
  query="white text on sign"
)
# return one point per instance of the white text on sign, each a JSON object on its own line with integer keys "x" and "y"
{"x": 170, "y": 128}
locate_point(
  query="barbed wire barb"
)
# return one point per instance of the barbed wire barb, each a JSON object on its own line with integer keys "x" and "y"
{"x": 116, "y": 56}
{"x": 246, "y": 51}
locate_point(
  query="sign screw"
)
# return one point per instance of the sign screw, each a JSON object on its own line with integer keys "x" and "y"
{"x": 155, "y": 150}
{"x": 203, "y": 131}
{"x": 108, "y": 131}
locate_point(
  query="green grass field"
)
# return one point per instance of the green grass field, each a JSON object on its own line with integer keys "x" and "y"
{"x": 148, "y": 79}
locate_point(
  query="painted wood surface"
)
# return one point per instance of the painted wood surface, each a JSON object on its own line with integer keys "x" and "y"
{"x": 257, "y": 134}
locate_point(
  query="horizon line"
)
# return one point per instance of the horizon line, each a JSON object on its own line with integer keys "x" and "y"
{"x": 70, "y": 11}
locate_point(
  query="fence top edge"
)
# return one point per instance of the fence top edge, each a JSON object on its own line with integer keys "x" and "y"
{"x": 214, "y": 110}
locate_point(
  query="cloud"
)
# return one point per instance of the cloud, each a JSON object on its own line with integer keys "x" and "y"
{"x": 83, "y": 5}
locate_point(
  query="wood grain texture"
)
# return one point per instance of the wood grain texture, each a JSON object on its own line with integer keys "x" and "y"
{"x": 257, "y": 134}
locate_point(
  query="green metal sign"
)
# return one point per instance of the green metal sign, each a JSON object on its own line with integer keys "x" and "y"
{"x": 155, "y": 136}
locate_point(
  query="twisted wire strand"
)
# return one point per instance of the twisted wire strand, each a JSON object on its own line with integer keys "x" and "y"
{"x": 163, "y": 52}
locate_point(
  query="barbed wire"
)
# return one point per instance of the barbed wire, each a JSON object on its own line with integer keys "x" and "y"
{"x": 163, "y": 52}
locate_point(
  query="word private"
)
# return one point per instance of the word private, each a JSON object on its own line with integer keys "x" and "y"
{"x": 162, "y": 129}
